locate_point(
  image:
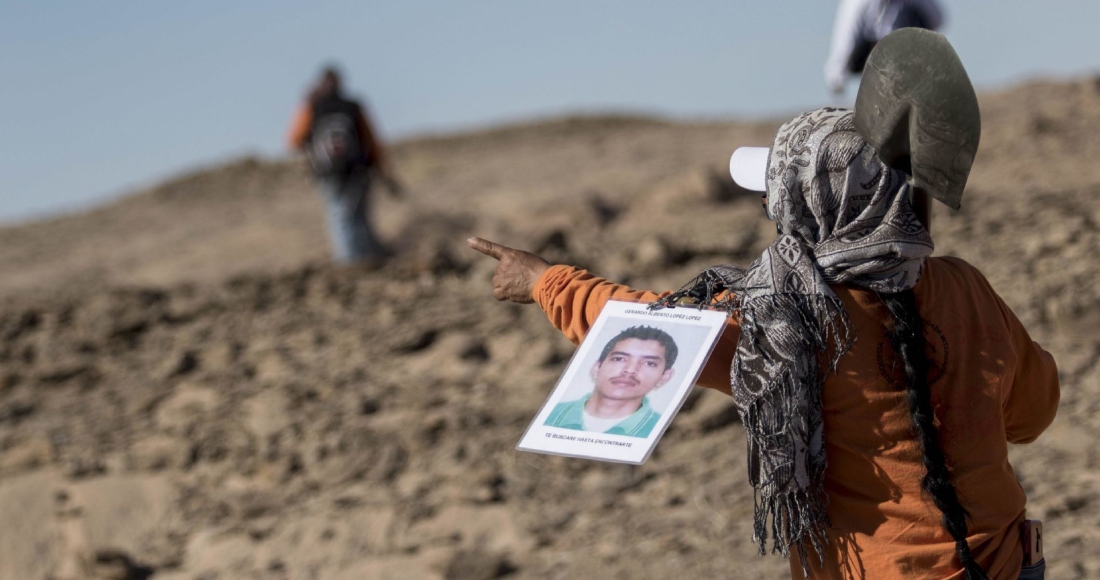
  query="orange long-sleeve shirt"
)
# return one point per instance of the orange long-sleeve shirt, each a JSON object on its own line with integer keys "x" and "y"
{"x": 991, "y": 385}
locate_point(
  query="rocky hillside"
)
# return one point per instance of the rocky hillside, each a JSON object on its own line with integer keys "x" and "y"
{"x": 188, "y": 390}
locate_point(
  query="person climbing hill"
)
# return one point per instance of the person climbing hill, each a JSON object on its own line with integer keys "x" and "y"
{"x": 346, "y": 156}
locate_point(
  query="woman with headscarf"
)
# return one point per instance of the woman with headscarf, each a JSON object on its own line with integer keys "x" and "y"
{"x": 879, "y": 386}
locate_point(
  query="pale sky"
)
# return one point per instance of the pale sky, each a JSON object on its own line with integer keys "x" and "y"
{"x": 103, "y": 98}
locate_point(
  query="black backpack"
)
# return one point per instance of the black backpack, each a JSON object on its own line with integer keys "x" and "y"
{"x": 335, "y": 146}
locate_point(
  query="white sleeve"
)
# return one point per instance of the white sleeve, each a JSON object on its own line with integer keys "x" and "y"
{"x": 845, "y": 33}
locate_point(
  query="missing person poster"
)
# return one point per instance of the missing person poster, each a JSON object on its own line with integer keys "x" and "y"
{"x": 624, "y": 384}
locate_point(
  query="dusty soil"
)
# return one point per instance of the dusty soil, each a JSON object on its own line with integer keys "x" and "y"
{"x": 188, "y": 390}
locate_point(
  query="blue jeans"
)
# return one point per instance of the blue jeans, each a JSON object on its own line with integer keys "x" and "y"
{"x": 349, "y": 228}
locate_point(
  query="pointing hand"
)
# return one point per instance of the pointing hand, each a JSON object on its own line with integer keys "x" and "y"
{"x": 516, "y": 273}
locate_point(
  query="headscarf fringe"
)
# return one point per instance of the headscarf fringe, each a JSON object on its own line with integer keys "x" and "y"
{"x": 823, "y": 319}
{"x": 822, "y": 328}
{"x": 706, "y": 289}
{"x": 795, "y": 523}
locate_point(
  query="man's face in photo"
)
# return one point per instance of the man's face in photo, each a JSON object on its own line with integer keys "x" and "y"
{"x": 632, "y": 369}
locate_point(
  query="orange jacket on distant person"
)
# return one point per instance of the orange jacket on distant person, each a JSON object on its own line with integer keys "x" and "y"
{"x": 302, "y": 124}
{"x": 1000, "y": 385}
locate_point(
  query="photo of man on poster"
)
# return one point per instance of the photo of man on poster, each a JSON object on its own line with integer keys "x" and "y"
{"x": 631, "y": 365}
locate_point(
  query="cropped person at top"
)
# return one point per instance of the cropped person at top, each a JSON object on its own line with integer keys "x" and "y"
{"x": 860, "y": 24}
{"x": 879, "y": 386}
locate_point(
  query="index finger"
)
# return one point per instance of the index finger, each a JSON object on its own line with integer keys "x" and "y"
{"x": 486, "y": 247}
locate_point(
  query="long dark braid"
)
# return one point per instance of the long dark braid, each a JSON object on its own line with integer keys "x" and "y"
{"x": 908, "y": 341}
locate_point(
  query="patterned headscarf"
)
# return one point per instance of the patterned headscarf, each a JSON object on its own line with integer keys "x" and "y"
{"x": 843, "y": 217}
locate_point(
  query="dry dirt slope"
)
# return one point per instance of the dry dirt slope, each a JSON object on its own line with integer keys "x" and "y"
{"x": 187, "y": 391}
